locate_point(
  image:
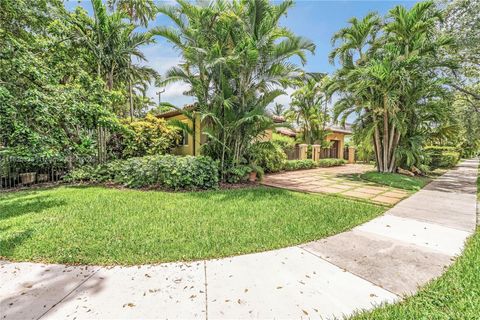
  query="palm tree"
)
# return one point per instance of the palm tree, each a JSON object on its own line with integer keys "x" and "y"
{"x": 141, "y": 11}
{"x": 309, "y": 109}
{"x": 394, "y": 86}
{"x": 278, "y": 109}
{"x": 356, "y": 39}
{"x": 114, "y": 42}
{"x": 236, "y": 61}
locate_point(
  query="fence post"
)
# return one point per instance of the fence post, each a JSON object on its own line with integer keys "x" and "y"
{"x": 351, "y": 154}
{"x": 302, "y": 151}
{"x": 315, "y": 152}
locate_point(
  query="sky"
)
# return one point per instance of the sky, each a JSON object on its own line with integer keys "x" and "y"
{"x": 316, "y": 20}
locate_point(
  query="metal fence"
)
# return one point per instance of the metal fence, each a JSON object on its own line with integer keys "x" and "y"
{"x": 293, "y": 153}
{"x": 19, "y": 172}
{"x": 328, "y": 153}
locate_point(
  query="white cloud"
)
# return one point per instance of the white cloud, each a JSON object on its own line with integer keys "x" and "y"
{"x": 162, "y": 57}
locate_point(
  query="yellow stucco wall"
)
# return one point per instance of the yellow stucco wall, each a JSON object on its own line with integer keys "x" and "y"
{"x": 188, "y": 149}
{"x": 341, "y": 144}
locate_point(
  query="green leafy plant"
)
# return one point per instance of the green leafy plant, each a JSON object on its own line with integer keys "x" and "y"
{"x": 333, "y": 162}
{"x": 238, "y": 173}
{"x": 258, "y": 170}
{"x": 442, "y": 156}
{"x": 267, "y": 155}
{"x": 291, "y": 165}
{"x": 148, "y": 136}
{"x": 168, "y": 171}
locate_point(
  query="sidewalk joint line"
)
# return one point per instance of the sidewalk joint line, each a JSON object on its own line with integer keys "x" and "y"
{"x": 69, "y": 293}
{"x": 206, "y": 288}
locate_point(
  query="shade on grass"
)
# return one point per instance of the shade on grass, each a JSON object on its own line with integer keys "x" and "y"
{"x": 96, "y": 225}
{"x": 396, "y": 180}
{"x": 455, "y": 295}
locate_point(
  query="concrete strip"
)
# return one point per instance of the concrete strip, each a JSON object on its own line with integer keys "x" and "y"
{"x": 396, "y": 266}
{"x": 286, "y": 284}
{"x": 434, "y": 237}
{"x": 465, "y": 222}
{"x": 28, "y": 290}
{"x": 167, "y": 291}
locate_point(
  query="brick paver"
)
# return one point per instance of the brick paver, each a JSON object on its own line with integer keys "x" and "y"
{"x": 339, "y": 180}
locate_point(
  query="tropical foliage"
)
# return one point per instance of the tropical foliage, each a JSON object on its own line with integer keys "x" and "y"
{"x": 148, "y": 136}
{"x": 391, "y": 77}
{"x": 309, "y": 110}
{"x": 66, "y": 78}
{"x": 236, "y": 60}
{"x": 162, "y": 171}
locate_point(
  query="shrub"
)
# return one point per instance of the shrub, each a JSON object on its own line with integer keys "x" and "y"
{"x": 238, "y": 173}
{"x": 286, "y": 143}
{"x": 168, "y": 171}
{"x": 442, "y": 156}
{"x": 310, "y": 164}
{"x": 291, "y": 165}
{"x": 332, "y": 162}
{"x": 148, "y": 136}
{"x": 268, "y": 155}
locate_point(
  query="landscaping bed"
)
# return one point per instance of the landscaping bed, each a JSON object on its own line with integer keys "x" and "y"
{"x": 107, "y": 226}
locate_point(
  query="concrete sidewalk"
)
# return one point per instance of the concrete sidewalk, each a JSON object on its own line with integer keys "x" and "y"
{"x": 379, "y": 261}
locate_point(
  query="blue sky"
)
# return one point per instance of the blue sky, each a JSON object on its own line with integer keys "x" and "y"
{"x": 316, "y": 20}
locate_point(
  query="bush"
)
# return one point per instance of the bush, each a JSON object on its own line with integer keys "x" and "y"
{"x": 333, "y": 162}
{"x": 310, "y": 164}
{"x": 442, "y": 156}
{"x": 168, "y": 171}
{"x": 148, "y": 136}
{"x": 291, "y": 165}
{"x": 238, "y": 174}
{"x": 268, "y": 155}
{"x": 286, "y": 143}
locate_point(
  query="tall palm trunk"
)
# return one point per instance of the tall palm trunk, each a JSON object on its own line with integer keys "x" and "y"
{"x": 130, "y": 90}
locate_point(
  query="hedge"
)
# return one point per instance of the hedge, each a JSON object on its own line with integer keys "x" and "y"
{"x": 442, "y": 156}
{"x": 291, "y": 165}
{"x": 167, "y": 171}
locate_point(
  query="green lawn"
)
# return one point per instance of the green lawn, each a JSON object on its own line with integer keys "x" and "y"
{"x": 396, "y": 180}
{"x": 96, "y": 225}
{"x": 455, "y": 295}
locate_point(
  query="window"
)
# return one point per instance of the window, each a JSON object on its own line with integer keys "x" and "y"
{"x": 184, "y": 138}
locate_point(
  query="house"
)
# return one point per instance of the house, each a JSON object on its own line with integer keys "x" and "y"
{"x": 190, "y": 144}
{"x": 336, "y": 136}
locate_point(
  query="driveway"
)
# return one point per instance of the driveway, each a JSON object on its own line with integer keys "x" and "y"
{"x": 341, "y": 180}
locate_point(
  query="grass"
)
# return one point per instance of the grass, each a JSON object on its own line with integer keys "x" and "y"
{"x": 105, "y": 226}
{"x": 396, "y": 180}
{"x": 455, "y": 295}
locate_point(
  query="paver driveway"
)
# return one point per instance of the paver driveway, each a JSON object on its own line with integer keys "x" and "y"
{"x": 340, "y": 180}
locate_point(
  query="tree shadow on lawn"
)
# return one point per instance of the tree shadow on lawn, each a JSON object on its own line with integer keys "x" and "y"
{"x": 20, "y": 206}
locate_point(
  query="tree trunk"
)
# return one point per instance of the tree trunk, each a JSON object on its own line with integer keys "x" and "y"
{"x": 385, "y": 137}
{"x": 379, "y": 153}
{"x": 130, "y": 89}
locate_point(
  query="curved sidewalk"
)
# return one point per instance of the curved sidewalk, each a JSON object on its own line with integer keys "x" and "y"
{"x": 379, "y": 261}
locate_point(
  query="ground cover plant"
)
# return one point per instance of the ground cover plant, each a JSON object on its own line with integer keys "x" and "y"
{"x": 396, "y": 180}
{"x": 164, "y": 171}
{"x": 452, "y": 296}
{"x": 291, "y": 165}
{"x": 81, "y": 224}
